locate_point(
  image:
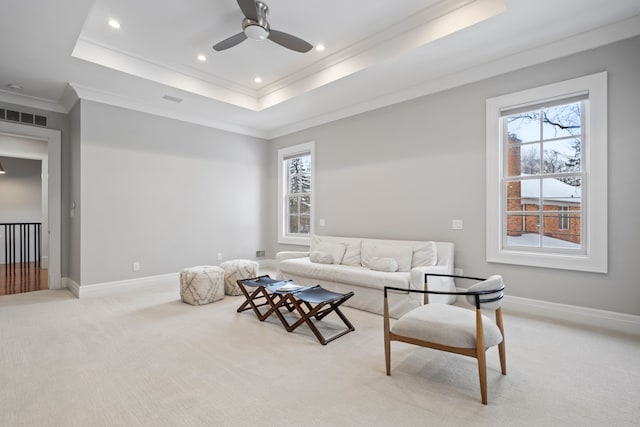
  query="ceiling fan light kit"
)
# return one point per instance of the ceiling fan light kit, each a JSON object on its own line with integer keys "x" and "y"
{"x": 256, "y": 27}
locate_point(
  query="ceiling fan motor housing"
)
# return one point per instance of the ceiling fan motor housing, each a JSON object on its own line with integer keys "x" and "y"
{"x": 257, "y": 30}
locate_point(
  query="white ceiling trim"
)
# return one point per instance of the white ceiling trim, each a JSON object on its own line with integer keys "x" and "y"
{"x": 581, "y": 42}
{"x": 111, "y": 58}
{"x": 419, "y": 22}
{"x": 31, "y": 102}
{"x": 116, "y": 100}
{"x": 425, "y": 27}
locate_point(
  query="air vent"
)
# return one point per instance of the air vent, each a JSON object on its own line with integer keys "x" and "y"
{"x": 21, "y": 117}
{"x": 13, "y": 116}
{"x": 26, "y": 118}
{"x": 172, "y": 98}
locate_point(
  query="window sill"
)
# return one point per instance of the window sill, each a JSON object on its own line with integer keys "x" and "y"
{"x": 595, "y": 264}
{"x": 289, "y": 240}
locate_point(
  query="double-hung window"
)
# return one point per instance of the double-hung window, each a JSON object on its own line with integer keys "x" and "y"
{"x": 546, "y": 176}
{"x": 295, "y": 194}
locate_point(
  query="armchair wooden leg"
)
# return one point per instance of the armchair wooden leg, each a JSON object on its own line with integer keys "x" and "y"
{"x": 501, "y": 346}
{"x": 387, "y": 342}
{"x": 481, "y": 356}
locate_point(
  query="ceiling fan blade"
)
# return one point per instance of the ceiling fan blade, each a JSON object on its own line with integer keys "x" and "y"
{"x": 289, "y": 41}
{"x": 230, "y": 42}
{"x": 248, "y": 8}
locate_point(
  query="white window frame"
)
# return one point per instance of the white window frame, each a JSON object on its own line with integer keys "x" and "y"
{"x": 593, "y": 164}
{"x": 284, "y": 153}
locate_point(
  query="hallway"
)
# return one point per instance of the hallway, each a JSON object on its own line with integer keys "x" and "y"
{"x": 19, "y": 278}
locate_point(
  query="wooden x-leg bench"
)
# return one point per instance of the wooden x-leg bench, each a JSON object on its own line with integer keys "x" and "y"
{"x": 308, "y": 302}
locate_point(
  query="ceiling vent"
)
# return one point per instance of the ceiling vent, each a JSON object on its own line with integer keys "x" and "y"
{"x": 21, "y": 117}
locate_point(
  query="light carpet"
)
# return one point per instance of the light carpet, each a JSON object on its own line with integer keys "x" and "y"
{"x": 144, "y": 358}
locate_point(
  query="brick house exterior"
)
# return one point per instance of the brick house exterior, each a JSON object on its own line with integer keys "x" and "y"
{"x": 561, "y": 199}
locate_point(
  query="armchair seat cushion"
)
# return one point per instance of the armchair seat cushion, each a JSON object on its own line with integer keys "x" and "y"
{"x": 447, "y": 325}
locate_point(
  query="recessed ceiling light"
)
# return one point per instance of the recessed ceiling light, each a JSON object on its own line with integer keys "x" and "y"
{"x": 114, "y": 24}
{"x": 202, "y": 58}
{"x": 14, "y": 86}
{"x": 257, "y": 80}
{"x": 320, "y": 47}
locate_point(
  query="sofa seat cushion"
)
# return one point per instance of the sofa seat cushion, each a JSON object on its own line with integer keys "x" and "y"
{"x": 348, "y": 274}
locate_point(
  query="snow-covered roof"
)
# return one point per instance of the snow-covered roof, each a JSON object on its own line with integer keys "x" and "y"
{"x": 553, "y": 190}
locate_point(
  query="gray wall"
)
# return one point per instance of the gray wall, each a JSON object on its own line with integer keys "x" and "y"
{"x": 165, "y": 193}
{"x": 406, "y": 171}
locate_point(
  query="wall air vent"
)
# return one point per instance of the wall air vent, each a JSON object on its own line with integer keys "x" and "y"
{"x": 21, "y": 117}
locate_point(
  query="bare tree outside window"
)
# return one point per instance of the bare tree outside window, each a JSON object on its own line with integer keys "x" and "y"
{"x": 299, "y": 194}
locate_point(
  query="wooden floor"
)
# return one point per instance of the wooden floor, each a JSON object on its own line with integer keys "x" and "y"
{"x": 19, "y": 278}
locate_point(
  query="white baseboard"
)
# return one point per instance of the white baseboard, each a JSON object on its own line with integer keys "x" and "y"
{"x": 102, "y": 289}
{"x": 589, "y": 317}
{"x": 70, "y": 284}
{"x": 583, "y": 316}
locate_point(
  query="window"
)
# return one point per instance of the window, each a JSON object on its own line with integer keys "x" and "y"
{"x": 563, "y": 218}
{"x": 295, "y": 194}
{"x": 546, "y": 176}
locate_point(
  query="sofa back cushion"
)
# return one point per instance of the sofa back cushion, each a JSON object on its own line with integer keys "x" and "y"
{"x": 425, "y": 255}
{"x": 351, "y": 255}
{"x": 380, "y": 249}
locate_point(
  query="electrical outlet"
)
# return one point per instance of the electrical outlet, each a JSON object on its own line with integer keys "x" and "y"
{"x": 219, "y": 256}
{"x": 136, "y": 266}
{"x": 456, "y": 224}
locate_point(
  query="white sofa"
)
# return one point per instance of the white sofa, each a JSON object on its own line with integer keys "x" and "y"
{"x": 365, "y": 266}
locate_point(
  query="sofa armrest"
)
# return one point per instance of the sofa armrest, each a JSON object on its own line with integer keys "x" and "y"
{"x": 281, "y": 256}
{"x": 442, "y": 284}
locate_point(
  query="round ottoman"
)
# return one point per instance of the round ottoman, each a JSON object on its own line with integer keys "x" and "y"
{"x": 201, "y": 285}
{"x": 237, "y": 269}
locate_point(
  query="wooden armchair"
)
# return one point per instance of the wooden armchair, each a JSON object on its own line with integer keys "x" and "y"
{"x": 452, "y": 328}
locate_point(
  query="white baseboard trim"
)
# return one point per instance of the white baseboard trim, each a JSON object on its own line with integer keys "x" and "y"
{"x": 583, "y": 316}
{"x": 71, "y": 285}
{"x": 102, "y": 289}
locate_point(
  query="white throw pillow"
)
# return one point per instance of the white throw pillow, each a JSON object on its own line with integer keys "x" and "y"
{"x": 352, "y": 247}
{"x": 383, "y": 264}
{"x": 335, "y": 249}
{"x": 321, "y": 257}
{"x": 402, "y": 254}
{"x": 425, "y": 255}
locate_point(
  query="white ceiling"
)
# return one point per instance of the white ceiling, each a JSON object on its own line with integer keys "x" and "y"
{"x": 377, "y": 53}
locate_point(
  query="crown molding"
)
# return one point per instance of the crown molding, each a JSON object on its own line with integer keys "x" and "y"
{"x": 31, "y": 102}
{"x": 581, "y": 42}
{"x": 104, "y": 97}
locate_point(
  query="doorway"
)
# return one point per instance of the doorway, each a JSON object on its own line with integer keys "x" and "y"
{"x": 22, "y": 207}
{"x": 29, "y": 142}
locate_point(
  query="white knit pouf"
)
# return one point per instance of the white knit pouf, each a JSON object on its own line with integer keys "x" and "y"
{"x": 201, "y": 285}
{"x": 237, "y": 269}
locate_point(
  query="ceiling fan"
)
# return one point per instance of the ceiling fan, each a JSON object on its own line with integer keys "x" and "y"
{"x": 256, "y": 27}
